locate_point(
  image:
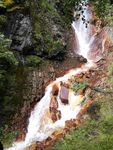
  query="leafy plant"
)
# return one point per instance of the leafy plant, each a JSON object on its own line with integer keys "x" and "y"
{"x": 76, "y": 86}
{"x": 104, "y": 10}
{"x": 3, "y": 20}
{"x": 5, "y": 3}
{"x": 33, "y": 61}
{"x": 6, "y": 136}
{"x": 7, "y": 57}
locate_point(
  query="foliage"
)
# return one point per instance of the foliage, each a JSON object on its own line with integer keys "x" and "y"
{"x": 3, "y": 20}
{"x": 4, "y": 42}
{"x": 7, "y": 57}
{"x": 76, "y": 86}
{"x": 5, "y": 3}
{"x": 33, "y": 61}
{"x": 6, "y": 136}
{"x": 110, "y": 76}
{"x": 46, "y": 22}
{"x": 66, "y": 10}
{"x": 110, "y": 69}
{"x": 104, "y": 10}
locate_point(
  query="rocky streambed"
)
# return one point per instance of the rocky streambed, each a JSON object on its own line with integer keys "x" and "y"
{"x": 97, "y": 83}
{"x": 34, "y": 88}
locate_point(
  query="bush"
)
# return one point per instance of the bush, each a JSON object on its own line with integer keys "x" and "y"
{"x": 7, "y": 58}
{"x": 6, "y": 136}
{"x": 76, "y": 86}
{"x": 33, "y": 61}
{"x": 3, "y": 20}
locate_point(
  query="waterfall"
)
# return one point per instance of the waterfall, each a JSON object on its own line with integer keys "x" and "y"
{"x": 40, "y": 125}
{"x": 82, "y": 31}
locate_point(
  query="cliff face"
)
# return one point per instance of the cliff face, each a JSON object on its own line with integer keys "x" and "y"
{"x": 39, "y": 28}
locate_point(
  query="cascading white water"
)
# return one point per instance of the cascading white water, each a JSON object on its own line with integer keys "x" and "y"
{"x": 82, "y": 31}
{"x": 40, "y": 124}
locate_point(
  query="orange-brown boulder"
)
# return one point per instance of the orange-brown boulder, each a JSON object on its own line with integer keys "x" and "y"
{"x": 53, "y": 103}
{"x": 55, "y": 114}
{"x": 55, "y": 90}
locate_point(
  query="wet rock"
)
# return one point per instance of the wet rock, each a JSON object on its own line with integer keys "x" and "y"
{"x": 102, "y": 41}
{"x": 53, "y": 103}
{"x": 55, "y": 114}
{"x": 58, "y": 134}
{"x": 80, "y": 92}
{"x": 32, "y": 147}
{"x": 82, "y": 59}
{"x": 55, "y": 90}
{"x": 64, "y": 93}
{"x": 74, "y": 41}
{"x": 69, "y": 124}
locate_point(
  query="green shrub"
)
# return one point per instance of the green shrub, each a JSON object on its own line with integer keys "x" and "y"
{"x": 3, "y": 20}
{"x": 33, "y": 61}
{"x": 6, "y": 137}
{"x": 4, "y": 42}
{"x": 76, "y": 86}
{"x": 7, "y": 58}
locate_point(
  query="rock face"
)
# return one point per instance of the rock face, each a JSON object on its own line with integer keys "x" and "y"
{"x": 38, "y": 30}
{"x": 102, "y": 41}
{"x": 20, "y": 32}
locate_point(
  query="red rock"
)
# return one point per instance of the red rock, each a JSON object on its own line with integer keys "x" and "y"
{"x": 64, "y": 93}
{"x": 55, "y": 114}
{"x": 53, "y": 103}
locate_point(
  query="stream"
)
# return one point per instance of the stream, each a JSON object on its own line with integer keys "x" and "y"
{"x": 59, "y": 105}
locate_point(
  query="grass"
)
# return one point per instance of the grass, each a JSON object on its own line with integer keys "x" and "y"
{"x": 93, "y": 135}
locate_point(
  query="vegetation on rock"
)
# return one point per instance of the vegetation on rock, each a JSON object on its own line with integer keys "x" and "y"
{"x": 79, "y": 86}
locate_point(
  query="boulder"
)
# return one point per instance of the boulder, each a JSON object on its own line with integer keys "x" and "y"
{"x": 55, "y": 90}
{"x": 64, "y": 93}
{"x": 55, "y": 114}
{"x": 53, "y": 103}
